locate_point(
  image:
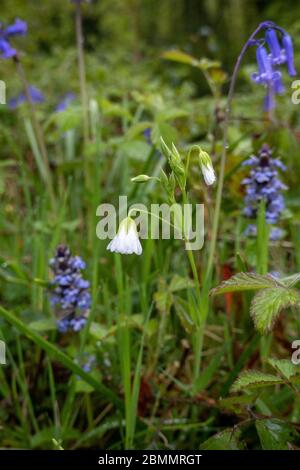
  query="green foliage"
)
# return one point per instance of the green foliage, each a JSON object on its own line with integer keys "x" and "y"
{"x": 275, "y": 434}
{"x": 273, "y": 296}
{"x": 268, "y": 303}
{"x": 253, "y": 379}
{"x": 225, "y": 440}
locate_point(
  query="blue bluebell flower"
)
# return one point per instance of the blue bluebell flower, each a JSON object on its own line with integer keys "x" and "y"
{"x": 70, "y": 294}
{"x": 65, "y": 102}
{"x": 18, "y": 28}
{"x": 263, "y": 183}
{"x": 280, "y": 52}
{"x": 35, "y": 94}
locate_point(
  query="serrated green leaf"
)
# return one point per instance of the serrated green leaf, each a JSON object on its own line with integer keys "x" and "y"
{"x": 225, "y": 440}
{"x": 251, "y": 379}
{"x": 291, "y": 281}
{"x": 285, "y": 367}
{"x": 274, "y": 434}
{"x": 245, "y": 281}
{"x": 268, "y": 303}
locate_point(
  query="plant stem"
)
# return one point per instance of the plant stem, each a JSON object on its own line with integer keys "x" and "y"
{"x": 37, "y": 128}
{"x": 200, "y": 318}
{"x": 81, "y": 69}
{"x": 216, "y": 218}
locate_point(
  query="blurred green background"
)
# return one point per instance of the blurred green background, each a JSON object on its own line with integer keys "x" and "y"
{"x": 131, "y": 30}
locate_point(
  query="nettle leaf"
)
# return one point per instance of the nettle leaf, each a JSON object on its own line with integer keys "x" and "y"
{"x": 285, "y": 367}
{"x": 252, "y": 379}
{"x": 267, "y": 304}
{"x": 274, "y": 434}
{"x": 245, "y": 281}
{"x": 224, "y": 440}
{"x": 291, "y": 281}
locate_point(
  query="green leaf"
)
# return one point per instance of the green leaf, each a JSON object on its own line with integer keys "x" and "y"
{"x": 60, "y": 356}
{"x": 171, "y": 114}
{"x": 237, "y": 404}
{"x": 136, "y": 150}
{"x": 285, "y": 367}
{"x": 225, "y": 440}
{"x": 291, "y": 281}
{"x": 183, "y": 58}
{"x": 69, "y": 119}
{"x": 245, "y": 281}
{"x": 46, "y": 324}
{"x": 267, "y": 304}
{"x": 208, "y": 373}
{"x": 251, "y": 379}
{"x": 274, "y": 434}
{"x": 182, "y": 309}
{"x": 164, "y": 130}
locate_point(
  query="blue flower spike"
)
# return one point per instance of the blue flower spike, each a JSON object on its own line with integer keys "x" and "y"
{"x": 70, "y": 295}
{"x": 263, "y": 183}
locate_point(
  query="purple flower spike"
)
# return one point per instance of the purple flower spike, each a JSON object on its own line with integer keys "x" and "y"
{"x": 289, "y": 51}
{"x": 263, "y": 183}
{"x": 70, "y": 295}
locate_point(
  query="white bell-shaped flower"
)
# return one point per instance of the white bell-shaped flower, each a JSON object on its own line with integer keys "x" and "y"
{"x": 126, "y": 241}
{"x": 207, "y": 168}
{"x": 208, "y": 173}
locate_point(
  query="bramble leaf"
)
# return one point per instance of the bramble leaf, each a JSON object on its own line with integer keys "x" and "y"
{"x": 274, "y": 434}
{"x": 268, "y": 303}
{"x": 286, "y": 368}
{"x": 245, "y": 281}
{"x": 251, "y": 379}
{"x": 224, "y": 440}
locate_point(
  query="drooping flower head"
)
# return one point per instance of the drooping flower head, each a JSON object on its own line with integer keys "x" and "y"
{"x": 126, "y": 241}
{"x": 207, "y": 168}
{"x": 18, "y": 28}
{"x": 263, "y": 183}
{"x": 275, "y": 50}
{"x": 70, "y": 294}
{"x": 35, "y": 94}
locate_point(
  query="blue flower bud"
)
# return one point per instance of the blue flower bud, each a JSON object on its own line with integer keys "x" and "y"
{"x": 289, "y": 50}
